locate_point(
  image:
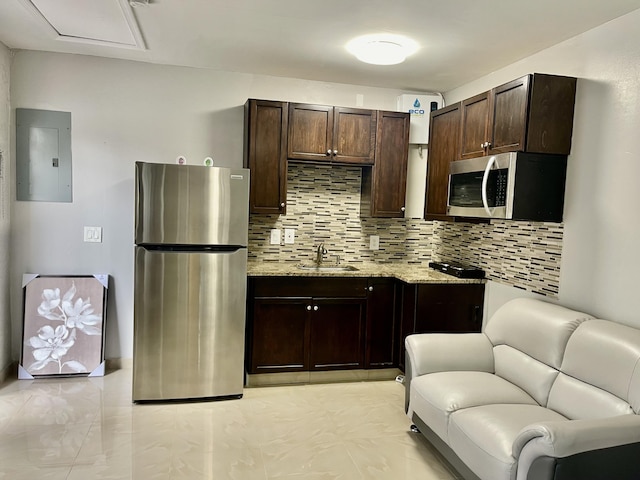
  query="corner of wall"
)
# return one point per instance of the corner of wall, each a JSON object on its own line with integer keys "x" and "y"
{"x": 5, "y": 198}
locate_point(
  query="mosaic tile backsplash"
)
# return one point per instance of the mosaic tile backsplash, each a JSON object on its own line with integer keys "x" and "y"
{"x": 323, "y": 206}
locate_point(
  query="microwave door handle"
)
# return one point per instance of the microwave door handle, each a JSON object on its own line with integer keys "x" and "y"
{"x": 485, "y": 179}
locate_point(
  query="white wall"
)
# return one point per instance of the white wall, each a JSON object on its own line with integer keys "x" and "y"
{"x": 601, "y": 249}
{"x": 122, "y": 112}
{"x": 126, "y": 111}
{"x": 5, "y": 175}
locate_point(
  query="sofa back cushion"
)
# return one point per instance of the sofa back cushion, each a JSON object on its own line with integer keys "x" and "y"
{"x": 529, "y": 374}
{"x": 529, "y": 338}
{"x": 600, "y": 374}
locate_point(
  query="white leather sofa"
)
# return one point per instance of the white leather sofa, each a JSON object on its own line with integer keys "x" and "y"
{"x": 544, "y": 392}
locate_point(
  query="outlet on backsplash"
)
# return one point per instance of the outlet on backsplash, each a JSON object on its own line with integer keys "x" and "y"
{"x": 289, "y": 236}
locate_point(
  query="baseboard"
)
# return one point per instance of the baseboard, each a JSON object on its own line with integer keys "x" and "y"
{"x": 118, "y": 364}
{"x": 330, "y": 376}
{"x": 10, "y": 372}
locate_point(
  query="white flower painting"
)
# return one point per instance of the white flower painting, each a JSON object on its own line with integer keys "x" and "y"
{"x": 63, "y": 332}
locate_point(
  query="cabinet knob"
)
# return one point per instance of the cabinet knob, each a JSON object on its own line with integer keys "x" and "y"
{"x": 370, "y": 288}
{"x": 328, "y": 152}
{"x": 282, "y": 205}
{"x": 402, "y": 209}
{"x": 315, "y": 308}
{"x": 309, "y": 307}
{"x": 482, "y": 145}
{"x": 335, "y": 152}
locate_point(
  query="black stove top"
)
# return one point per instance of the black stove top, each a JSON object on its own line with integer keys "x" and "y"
{"x": 457, "y": 269}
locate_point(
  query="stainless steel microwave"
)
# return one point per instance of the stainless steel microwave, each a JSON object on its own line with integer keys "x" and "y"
{"x": 514, "y": 186}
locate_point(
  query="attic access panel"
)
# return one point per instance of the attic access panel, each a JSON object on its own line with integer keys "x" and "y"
{"x": 109, "y": 23}
{"x": 43, "y": 155}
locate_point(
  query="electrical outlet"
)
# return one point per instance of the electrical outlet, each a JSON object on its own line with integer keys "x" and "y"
{"x": 275, "y": 236}
{"x": 289, "y": 236}
{"x": 93, "y": 234}
{"x": 374, "y": 242}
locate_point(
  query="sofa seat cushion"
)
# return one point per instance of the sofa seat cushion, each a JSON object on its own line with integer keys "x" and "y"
{"x": 483, "y": 436}
{"x": 436, "y": 395}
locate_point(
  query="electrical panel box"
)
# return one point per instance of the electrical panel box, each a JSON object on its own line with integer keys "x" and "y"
{"x": 43, "y": 155}
{"x": 419, "y": 107}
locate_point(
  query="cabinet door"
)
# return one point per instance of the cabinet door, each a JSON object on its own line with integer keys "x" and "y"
{"x": 407, "y": 312}
{"x": 265, "y": 155}
{"x": 444, "y": 144}
{"x": 449, "y": 308}
{"x": 380, "y": 351}
{"x": 508, "y": 123}
{"x": 474, "y": 126}
{"x": 354, "y": 136}
{"x": 310, "y": 132}
{"x": 389, "y": 174}
{"x": 280, "y": 335}
{"x": 336, "y": 333}
{"x": 550, "y": 116}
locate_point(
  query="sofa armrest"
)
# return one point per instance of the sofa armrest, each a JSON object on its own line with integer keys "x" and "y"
{"x": 580, "y": 445}
{"x": 444, "y": 352}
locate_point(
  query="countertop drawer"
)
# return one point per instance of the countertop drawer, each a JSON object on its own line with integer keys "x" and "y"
{"x": 308, "y": 287}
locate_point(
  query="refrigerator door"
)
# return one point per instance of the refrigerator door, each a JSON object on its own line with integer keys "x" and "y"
{"x": 189, "y": 318}
{"x": 191, "y": 205}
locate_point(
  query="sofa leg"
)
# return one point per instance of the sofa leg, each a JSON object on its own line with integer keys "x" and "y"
{"x": 414, "y": 428}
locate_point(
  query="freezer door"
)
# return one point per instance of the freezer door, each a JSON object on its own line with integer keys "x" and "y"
{"x": 191, "y": 205}
{"x": 189, "y": 318}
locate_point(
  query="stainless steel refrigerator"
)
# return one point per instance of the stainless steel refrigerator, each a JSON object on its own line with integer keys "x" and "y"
{"x": 191, "y": 229}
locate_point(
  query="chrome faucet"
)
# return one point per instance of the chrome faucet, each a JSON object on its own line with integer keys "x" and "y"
{"x": 320, "y": 253}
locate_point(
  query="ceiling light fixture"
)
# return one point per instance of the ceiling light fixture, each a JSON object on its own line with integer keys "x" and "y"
{"x": 382, "y": 49}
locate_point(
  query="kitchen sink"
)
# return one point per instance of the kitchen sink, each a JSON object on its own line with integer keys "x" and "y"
{"x": 327, "y": 267}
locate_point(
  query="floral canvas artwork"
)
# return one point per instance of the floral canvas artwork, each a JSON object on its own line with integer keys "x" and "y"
{"x": 63, "y": 325}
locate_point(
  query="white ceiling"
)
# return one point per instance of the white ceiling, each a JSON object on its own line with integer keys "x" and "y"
{"x": 460, "y": 39}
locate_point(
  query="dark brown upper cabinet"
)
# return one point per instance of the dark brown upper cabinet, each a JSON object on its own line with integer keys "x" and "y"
{"x": 474, "y": 125}
{"x": 384, "y": 185}
{"x": 322, "y": 133}
{"x": 533, "y": 113}
{"x": 276, "y": 132}
{"x": 444, "y": 146}
{"x": 265, "y": 154}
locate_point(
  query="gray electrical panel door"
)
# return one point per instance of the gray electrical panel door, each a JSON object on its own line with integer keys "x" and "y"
{"x": 43, "y": 155}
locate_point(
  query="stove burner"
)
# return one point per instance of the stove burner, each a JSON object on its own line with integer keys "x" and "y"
{"x": 457, "y": 269}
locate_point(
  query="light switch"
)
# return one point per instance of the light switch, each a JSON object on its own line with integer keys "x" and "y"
{"x": 289, "y": 236}
{"x": 275, "y": 236}
{"x": 374, "y": 242}
{"x": 93, "y": 234}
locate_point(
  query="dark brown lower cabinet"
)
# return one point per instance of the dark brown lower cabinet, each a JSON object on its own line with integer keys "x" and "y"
{"x": 305, "y": 323}
{"x": 280, "y": 335}
{"x": 446, "y": 308}
{"x": 297, "y": 324}
{"x": 336, "y": 338}
{"x": 440, "y": 308}
{"x": 381, "y": 331}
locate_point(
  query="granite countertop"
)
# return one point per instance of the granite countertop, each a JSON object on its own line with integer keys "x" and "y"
{"x": 401, "y": 271}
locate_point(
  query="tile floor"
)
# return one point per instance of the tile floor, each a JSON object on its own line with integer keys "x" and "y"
{"x": 87, "y": 428}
